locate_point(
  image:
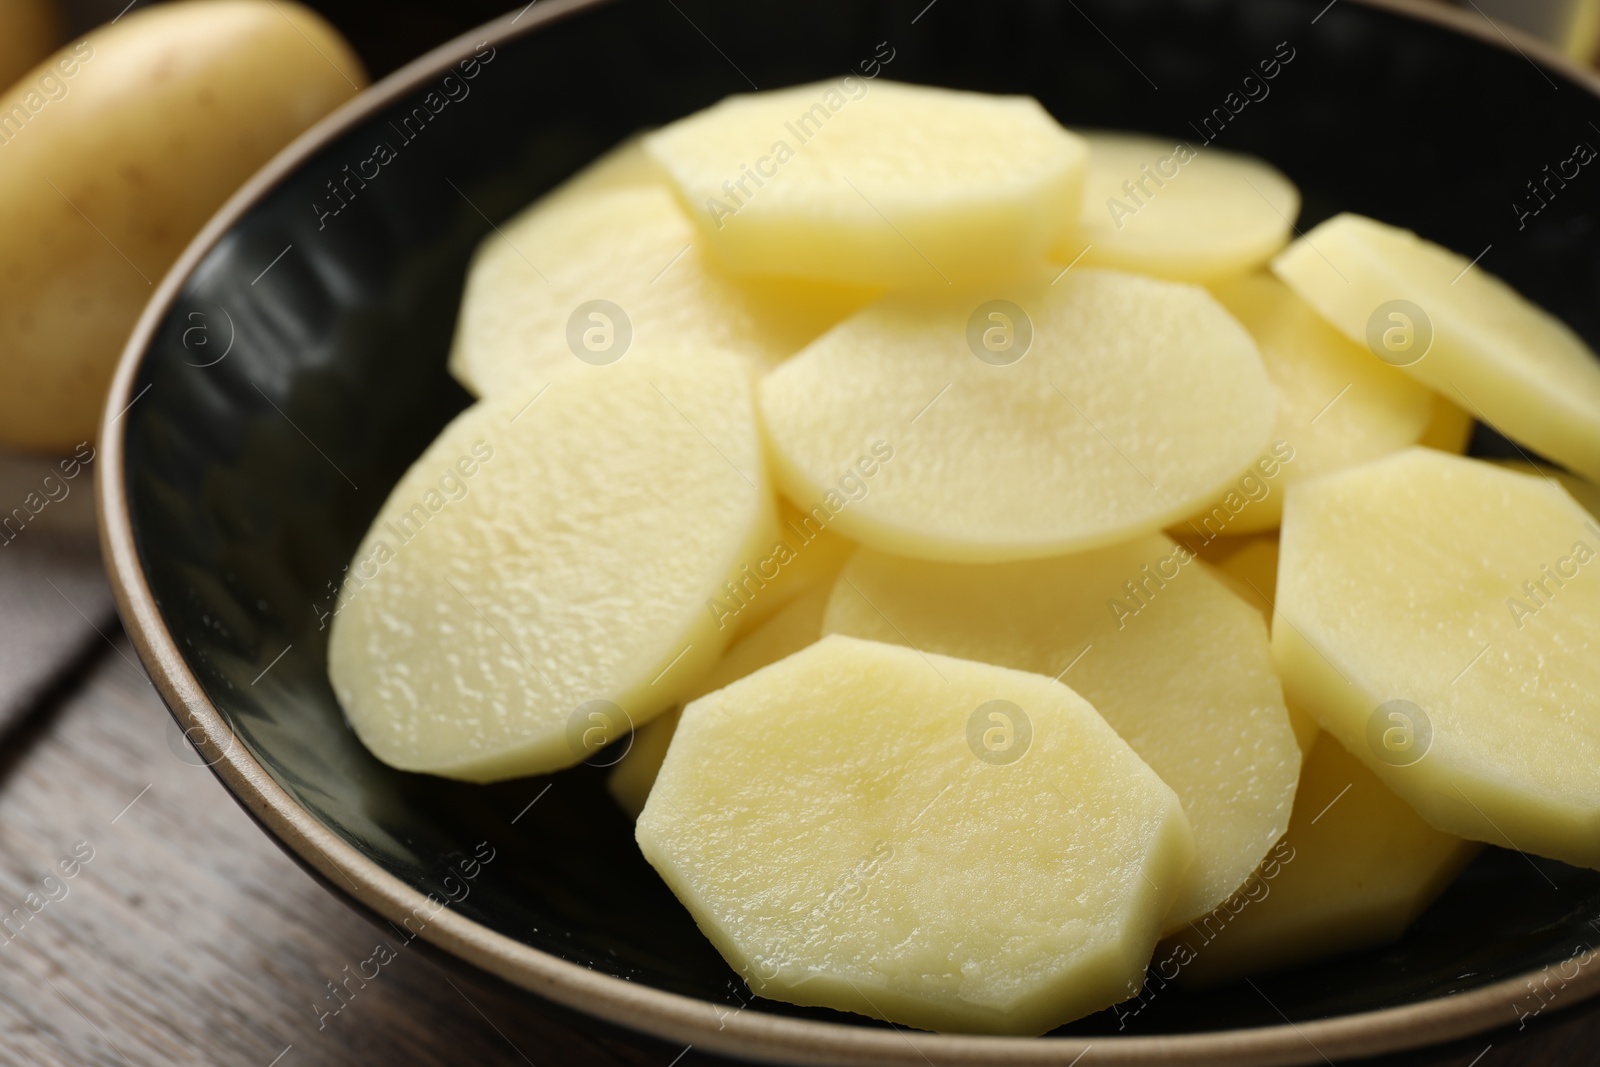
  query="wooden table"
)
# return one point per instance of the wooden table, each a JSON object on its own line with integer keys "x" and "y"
{"x": 189, "y": 938}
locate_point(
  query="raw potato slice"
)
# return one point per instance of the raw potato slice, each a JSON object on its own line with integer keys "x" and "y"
{"x": 1356, "y": 868}
{"x": 627, "y": 166}
{"x": 539, "y": 559}
{"x": 805, "y": 556}
{"x": 630, "y": 781}
{"x": 875, "y": 182}
{"x": 795, "y": 626}
{"x": 839, "y": 824}
{"x": 1164, "y": 208}
{"x": 1440, "y": 616}
{"x": 1503, "y": 359}
{"x": 1249, "y": 566}
{"x": 1337, "y": 405}
{"x": 615, "y": 234}
{"x": 1450, "y": 429}
{"x": 1176, "y": 663}
{"x": 1587, "y": 496}
{"x": 1113, "y": 405}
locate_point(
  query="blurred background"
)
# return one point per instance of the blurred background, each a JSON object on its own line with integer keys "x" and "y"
{"x": 387, "y": 33}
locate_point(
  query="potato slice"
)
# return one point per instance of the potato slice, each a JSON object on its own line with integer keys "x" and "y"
{"x": 1457, "y": 328}
{"x": 532, "y": 586}
{"x": 806, "y": 555}
{"x": 793, "y": 627}
{"x": 608, "y": 262}
{"x": 1587, "y": 496}
{"x": 1165, "y": 208}
{"x": 838, "y": 824}
{"x": 766, "y": 617}
{"x": 1450, "y": 430}
{"x": 1356, "y": 868}
{"x": 1176, "y": 663}
{"x": 631, "y": 780}
{"x": 1114, "y": 405}
{"x": 626, "y": 166}
{"x": 1438, "y": 615}
{"x": 1248, "y": 565}
{"x": 874, "y": 182}
{"x": 1337, "y": 406}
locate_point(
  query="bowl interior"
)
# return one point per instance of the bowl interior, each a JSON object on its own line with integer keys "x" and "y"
{"x": 301, "y": 369}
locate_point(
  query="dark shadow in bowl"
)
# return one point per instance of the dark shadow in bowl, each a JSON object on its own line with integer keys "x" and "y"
{"x": 253, "y": 476}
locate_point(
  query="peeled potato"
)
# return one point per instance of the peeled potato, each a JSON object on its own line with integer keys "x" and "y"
{"x": 1587, "y": 496}
{"x": 806, "y": 555}
{"x": 1113, "y": 405}
{"x": 1337, "y": 406}
{"x": 939, "y": 843}
{"x": 1450, "y": 430}
{"x": 1176, "y": 663}
{"x": 535, "y": 295}
{"x": 1440, "y": 616}
{"x": 1168, "y": 209}
{"x": 630, "y": 781}
{"x": 796, "y": 625}
{"x": 874, "y": 182}
{"x": 164, "y": 114}
{"x": 29, "y": 29}
{"x": 529, "y": 589}
{"x": 627, "y": 166}
{"x": 1457, "y": 328}
{"x": 1357, "y": 868}
{"x": 1249, "y": 566}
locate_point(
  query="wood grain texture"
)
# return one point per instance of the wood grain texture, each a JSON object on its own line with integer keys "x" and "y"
{"x": 54, "y": 600}
{"x": 189, "y": 938}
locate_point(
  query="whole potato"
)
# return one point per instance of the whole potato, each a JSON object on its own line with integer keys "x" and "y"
{"x": 113, "y": 154}
{"x": 28, "y": 31}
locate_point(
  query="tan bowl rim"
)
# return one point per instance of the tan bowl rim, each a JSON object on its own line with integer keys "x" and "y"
{"x": 671, "y": 1016}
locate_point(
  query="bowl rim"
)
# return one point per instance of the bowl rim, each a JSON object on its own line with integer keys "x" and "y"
{"x": 662, "y": 1014}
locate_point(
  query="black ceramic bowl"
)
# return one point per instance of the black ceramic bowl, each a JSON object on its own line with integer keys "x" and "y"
{"x": 293, "y": 364}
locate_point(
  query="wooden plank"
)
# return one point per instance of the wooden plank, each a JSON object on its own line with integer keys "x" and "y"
{"x": 183, "y": 935}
